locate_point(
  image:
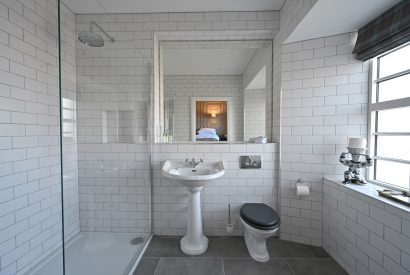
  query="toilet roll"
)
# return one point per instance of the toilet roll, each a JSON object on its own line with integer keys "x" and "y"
{"x": 302, "y": 190}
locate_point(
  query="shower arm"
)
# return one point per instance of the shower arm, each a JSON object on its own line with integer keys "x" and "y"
{"x": 102, "y": 30}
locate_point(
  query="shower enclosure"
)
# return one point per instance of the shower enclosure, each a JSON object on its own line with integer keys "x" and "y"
{"x": 77, "y": 196}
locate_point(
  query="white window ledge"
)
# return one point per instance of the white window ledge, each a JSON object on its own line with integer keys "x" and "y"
{"x": 368, "y": 190}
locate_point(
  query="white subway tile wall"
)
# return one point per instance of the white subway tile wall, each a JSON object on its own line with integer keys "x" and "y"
{"x": 181, "y": 88}
{"x": 117, "y": 77}
{"x": 114, "y": 187}
{"x": 222, "y": 33}
{"x": 30, "y": 190}
{"x": 263, "y": 57}
{"x": 237, "y": 186}
{"x": 291, "y": 13}
{"x": 254, "y": 113}
{"x": 319, "y": 99}
{"x": 320, "y": 111}
{"x": 365, "y": 235}
{"x": 69, "y": 129}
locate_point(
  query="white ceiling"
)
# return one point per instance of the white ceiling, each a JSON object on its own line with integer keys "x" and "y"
{"x": 206, "y": 61}
{"x": 331, "y": 17}
{"x": 148, "y": 6}
{"x": 259, "y": 81}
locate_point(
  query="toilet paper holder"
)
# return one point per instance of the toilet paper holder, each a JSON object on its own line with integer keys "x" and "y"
{"x": 302, "y": 189}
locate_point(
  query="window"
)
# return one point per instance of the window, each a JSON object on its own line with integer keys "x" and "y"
{"x": 389, "y": 117}
{"x": 68, "y": 117}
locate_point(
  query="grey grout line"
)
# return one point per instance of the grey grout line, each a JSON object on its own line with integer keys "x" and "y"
{"x": 310, "y": 254}
{"x": 291, "y": 270}
{"x": 240, "y": 258}
{"x": 223, "y": 261}
{"x": 314, "y": 256}
{"x": 156, "y": 268}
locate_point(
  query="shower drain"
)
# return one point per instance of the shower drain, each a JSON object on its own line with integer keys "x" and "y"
{"x": 137, "y": 241}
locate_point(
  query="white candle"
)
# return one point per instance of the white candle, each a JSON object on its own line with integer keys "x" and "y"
{"x": 357, "y": 143}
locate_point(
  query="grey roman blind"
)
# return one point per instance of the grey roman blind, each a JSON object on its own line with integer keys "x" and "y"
{"x": 387, "y": 31}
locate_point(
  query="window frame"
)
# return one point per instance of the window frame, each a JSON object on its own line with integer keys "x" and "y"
{"x": 372, "y": 119}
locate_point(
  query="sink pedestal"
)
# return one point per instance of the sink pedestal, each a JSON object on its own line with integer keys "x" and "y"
{"x": 194, "y": 177}
{"x": 194, "y": 242}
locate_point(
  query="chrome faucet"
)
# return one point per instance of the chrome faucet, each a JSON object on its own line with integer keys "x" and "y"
{"x": 193, "y": 162}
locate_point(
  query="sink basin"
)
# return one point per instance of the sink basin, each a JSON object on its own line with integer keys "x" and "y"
{"x": 193, "y": 177}
{"x": 194, "y": 242}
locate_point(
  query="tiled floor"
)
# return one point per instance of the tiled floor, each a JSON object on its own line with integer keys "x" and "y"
{"x": 229, "y": 256}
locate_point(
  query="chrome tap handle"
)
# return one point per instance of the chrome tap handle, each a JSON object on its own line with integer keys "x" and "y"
{"x": 189, "y": 162}
{"x": 195, "y": 163}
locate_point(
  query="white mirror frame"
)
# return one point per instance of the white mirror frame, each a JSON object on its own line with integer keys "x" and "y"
{"x": 193, "y": 114}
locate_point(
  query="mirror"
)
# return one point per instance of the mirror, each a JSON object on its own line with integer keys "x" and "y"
{"x": 215, "y": 91}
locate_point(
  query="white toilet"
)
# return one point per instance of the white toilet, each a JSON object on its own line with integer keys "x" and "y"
{"x": 260, "y": 222}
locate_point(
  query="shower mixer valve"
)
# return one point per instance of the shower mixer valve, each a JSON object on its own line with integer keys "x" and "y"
{"x": 353, "y": 175}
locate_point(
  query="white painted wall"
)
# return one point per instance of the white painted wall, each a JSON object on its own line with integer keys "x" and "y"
{"x": 333, "y": 17}
{"x": 207, "y": 61}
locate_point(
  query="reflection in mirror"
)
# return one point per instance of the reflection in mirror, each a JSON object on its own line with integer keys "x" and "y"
{"x": 254, "y": 103}
{"x": 210, "y": 119}
{"x": 216, "y": 90}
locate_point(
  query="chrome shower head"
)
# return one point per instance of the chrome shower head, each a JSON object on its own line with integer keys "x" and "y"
{"x": 92, "y": 39}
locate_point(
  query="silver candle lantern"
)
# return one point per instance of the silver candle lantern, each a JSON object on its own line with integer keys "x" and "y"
{"x": 359, "y": 159}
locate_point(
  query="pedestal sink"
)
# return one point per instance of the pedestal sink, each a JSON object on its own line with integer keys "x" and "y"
{"x": 194, "y": 178}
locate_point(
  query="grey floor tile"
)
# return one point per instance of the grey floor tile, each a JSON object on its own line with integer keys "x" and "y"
{"x": 318, "y": 251}
{"x": 164, "y": 247}
{"x": 147, "y": 266}
{"x": 251, "y": 267}
{"x": 316, "y": 267}
{"x": 285, "y": 249}
{"x": 190, "y": 266}
{"x": 229, "y": 247}
{"x": 164, "y": 257}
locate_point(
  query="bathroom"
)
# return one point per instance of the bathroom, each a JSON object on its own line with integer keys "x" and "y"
{"x": 204, "y": 137}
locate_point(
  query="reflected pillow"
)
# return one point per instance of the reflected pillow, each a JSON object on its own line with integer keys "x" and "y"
{"x": 207, "y": 136}
{"x": 207, "y": 130}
